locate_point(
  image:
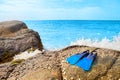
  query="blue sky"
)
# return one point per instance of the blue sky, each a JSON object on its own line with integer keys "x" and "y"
{"x": 60, "y": 9}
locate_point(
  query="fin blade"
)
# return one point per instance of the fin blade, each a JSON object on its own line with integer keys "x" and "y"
{"x": 86, "y": 63}
{"x": 75, "y": 58}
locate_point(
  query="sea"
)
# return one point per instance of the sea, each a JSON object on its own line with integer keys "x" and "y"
{"x": 58, "y": 34}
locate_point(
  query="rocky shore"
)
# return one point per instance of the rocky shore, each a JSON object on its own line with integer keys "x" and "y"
{"x": 52, "y": 65}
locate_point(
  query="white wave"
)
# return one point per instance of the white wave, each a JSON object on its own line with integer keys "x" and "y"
{"x": 26, "y": 54}
{"x": 104, "y": 43}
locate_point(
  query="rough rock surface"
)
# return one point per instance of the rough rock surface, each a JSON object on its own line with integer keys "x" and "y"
{"x": 8, "y": 28}
{"x": 103, "y": 68}
{"x": 53, "y": 66}
{"x": 15, "y": 37}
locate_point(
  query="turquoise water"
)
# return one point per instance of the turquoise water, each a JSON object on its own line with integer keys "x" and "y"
{"x": 56, "y": 34}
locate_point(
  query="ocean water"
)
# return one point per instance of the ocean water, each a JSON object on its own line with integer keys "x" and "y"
{"x": 57, "y": 34}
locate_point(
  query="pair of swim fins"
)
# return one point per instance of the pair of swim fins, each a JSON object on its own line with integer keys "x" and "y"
{"x": 83, "y": 60}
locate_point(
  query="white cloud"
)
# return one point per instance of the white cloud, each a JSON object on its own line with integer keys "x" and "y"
{"x": 74, "y": 0}
{"x": 61, "y": 13}
{"x": 29, "y": 12}
{"x": 34, "y": 9}
{"x": 16, "y": 5}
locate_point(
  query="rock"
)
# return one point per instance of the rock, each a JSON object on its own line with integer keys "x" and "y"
{"x": 41, "y": 67}
{"x": 53, "y": 66}
{"x": 15, "y": 37}
{"x": 103, "y": 68}
{"x": 5, "y": 69}
{"x": 7, "y": 28}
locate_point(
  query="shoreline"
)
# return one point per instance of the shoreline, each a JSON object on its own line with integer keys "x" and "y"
{"x": 70, "y": 46}
{"x": 104, "y": 43}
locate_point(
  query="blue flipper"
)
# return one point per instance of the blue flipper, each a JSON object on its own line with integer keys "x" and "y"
{"x": 86, "y": 62}
{"x": 75, "y": 58}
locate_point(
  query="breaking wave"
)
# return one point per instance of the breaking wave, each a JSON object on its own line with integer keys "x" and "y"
{"x": 104, "y": 43}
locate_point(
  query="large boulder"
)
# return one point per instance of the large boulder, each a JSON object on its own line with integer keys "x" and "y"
{"x": 53, "y": 66}
{"x": 105, "y": 67}
{"x": 15, "y": 37}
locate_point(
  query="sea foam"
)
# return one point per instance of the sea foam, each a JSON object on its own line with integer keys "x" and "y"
{"x": 104, "y": 43}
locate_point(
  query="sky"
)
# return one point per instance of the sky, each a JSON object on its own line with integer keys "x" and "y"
{"x": 59, "y": 10}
